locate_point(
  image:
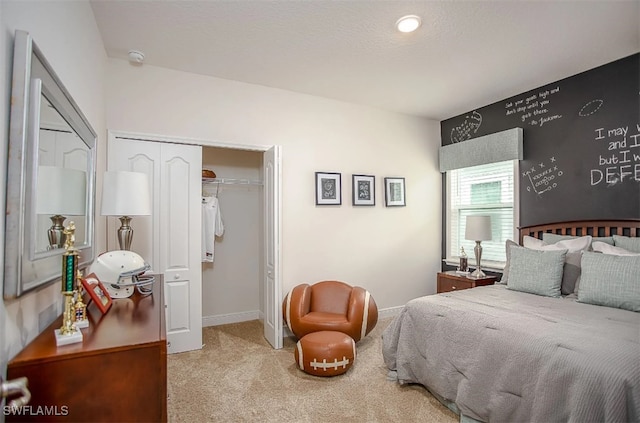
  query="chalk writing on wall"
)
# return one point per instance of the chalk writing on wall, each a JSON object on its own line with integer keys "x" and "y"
{"x": 621, "y": 161}
{"x": 466, "y": 129}
{"x": 543, "y": 177}
{"x": 535, "y": 109}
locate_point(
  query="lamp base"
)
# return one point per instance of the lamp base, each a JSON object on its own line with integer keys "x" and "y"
{"x": 56, "y": 232}
{"x": 125, "y": 233}
{"x": 477, "y": 274}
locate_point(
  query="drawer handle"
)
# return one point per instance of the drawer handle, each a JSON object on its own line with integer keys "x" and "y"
{"x": 16, "y": 386}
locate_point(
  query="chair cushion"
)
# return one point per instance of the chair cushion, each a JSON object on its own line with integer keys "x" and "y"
{"x": 325, "y": 353}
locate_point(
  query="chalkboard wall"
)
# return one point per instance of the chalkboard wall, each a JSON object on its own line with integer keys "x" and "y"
{"x": 581, "y": 143}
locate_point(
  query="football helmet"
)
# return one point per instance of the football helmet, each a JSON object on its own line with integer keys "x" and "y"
{"x": 121, "y": 273}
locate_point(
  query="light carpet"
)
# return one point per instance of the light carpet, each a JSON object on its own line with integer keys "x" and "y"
{"x": 238, "y": 377}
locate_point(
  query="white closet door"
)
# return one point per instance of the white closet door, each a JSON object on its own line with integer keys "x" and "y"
{"x": 169, "y": 240}
{"x": 180, "y": 243}
{"x": 138, "y": 156}
{"x": 272, "y": 285}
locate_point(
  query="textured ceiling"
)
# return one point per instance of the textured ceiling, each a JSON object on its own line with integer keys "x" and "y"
{"x": 465, "y": 55}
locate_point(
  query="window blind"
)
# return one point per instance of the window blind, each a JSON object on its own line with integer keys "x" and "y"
{"x": 487, "y": 189}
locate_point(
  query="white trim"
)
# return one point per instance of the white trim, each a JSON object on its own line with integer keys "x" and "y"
{"x": 186, "y": 140}
{"x": 223, "y": 319}
{"x": 390, "y": 311}
{"x": 382, "y": 314}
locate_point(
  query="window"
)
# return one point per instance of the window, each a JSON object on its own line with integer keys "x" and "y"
{"x": 481, "y": 190}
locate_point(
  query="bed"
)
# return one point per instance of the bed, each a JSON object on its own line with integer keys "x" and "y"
{"x": 512, "y": 353}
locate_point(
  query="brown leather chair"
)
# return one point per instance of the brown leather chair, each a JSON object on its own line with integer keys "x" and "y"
{"x": 332, "y": 306}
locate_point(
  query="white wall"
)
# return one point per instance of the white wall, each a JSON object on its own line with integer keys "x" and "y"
{"x": 393, "y": 252}
{"x": 67, "y": 34}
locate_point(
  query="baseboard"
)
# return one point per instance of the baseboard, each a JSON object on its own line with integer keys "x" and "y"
{"x": 223, "y": 319}
{"x": 390, "y": 312}
{"x": 382, "y": 313}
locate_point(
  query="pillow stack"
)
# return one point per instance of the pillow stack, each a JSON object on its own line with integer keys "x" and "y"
{"x": 558, "y": 265}
{"x": 601, "y": 270}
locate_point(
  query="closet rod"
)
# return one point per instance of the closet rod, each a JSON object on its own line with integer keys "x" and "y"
{"x": 231, "y": 181}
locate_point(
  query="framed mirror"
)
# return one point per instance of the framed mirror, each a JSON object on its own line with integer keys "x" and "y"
{"x": 51, "y": 174}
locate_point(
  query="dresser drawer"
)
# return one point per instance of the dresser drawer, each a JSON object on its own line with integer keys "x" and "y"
{"x": 448, "y": 285}
{"x": 450, "y": 281}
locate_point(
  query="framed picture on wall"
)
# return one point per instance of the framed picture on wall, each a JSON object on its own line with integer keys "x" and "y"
{"x": 394, "y": 192}
{"x": 364, "y": 190}
{"x": 328, "y": 188}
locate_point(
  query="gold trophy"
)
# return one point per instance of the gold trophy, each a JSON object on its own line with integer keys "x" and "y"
{"x": 69, "y": 333}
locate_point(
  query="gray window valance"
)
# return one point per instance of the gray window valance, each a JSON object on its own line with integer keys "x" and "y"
{"x": 492, "y": 148}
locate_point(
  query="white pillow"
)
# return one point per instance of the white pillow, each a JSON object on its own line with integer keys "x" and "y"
{"x": 571, "y": 245}
{"x": 603, "y": 247}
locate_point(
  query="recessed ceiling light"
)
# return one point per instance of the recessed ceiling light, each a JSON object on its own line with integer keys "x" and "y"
{"x": 408, "y": 23}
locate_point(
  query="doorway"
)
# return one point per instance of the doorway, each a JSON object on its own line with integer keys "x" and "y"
{"x": 269, "y": 187}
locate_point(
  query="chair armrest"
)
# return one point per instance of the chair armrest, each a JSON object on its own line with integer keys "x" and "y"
{"x": 296, "y": 305}
{"x": 362, "y": 311}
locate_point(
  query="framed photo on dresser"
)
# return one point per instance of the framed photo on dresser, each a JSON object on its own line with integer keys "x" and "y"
{"x": 97, "y": 292}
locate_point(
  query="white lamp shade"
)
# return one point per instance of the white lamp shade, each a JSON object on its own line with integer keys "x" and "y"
{"x": 478, "y": 228}
{"x": 61, "y": 191}
{"x": 125, "y": 194}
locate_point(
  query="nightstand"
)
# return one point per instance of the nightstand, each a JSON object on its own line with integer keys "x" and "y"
{"x": 451, "y": 281}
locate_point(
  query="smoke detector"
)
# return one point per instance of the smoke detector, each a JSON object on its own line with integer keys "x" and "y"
{"x": 136, "y": 56}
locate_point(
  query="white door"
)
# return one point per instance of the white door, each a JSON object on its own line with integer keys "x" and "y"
{"x": 166, "y": 239}
{"x": 272, "y": 284}
{"x": 180, "y": 244}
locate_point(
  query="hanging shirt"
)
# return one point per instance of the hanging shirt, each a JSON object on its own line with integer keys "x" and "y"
{"x": 212, "y": 226}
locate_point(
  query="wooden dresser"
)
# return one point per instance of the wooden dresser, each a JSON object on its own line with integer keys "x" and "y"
{"x": 117, "y": 373}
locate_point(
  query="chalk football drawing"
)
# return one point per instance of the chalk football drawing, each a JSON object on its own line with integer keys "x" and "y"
{"x": 590, "y": 108}
{"x": 470, "y": 125}
{"x": 544, "y": 179}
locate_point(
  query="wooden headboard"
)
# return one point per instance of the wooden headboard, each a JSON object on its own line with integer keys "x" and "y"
{"x": 582, "y": 228}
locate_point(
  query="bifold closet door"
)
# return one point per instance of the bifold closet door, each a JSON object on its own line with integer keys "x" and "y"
{"x": 169, "y": 240}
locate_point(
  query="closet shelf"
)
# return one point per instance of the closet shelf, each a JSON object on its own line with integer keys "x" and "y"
{"x": 230, "y": 181}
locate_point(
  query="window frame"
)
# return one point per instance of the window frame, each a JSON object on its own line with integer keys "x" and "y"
{"x": 453, "y": 259}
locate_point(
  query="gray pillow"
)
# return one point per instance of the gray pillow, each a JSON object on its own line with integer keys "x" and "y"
{"x": 505, "y": 271}
{"x": 628, "y": 243}
{"x": 536, "y": 271}
{"x": 574, "y": 246}
{"x": 550, "y": 238}
{"x": 571, "y": 273}
{"x": 610, "y": 281}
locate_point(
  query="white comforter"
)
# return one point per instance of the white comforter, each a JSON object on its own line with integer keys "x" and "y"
{"x": 508, "y": 356}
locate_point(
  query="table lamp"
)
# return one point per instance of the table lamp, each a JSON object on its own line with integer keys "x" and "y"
{"x": 60, "y": 192}
{"x": 125, "y": 194}
{"x": 478, "y": 229}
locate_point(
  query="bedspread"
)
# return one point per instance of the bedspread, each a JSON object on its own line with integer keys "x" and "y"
{"x": 508, "y": 356}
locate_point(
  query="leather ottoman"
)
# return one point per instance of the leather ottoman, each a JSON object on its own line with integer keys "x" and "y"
{"x": 325, "y": 353}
